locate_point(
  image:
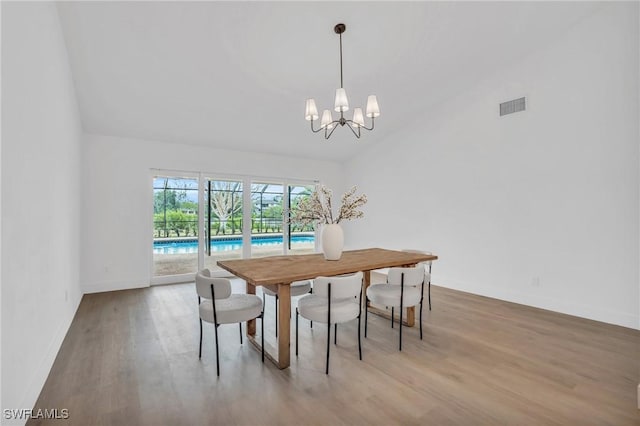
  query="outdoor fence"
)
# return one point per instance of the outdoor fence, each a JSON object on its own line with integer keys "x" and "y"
{"x": 189, "y": 228}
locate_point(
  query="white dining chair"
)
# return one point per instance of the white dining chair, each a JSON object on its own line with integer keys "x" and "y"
{"x": 427, "y": 271}
{"x": 228, "y": 308}
{"x": 404, "y": 288}
{"x": 427, "y": 276}
{"x": 297, "y": 288}
{"x": 335, "y": 300}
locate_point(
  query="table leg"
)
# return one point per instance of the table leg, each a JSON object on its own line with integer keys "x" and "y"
{"x": 284, "y": 326}
{"x": 251, "y": 324}
{"x": 280, "y": 355}
{"x": 411, "y": 316}
{"x": 365, "y": 283}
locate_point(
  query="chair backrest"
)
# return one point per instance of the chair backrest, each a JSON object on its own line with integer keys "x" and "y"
{"x": 427, "y": 262}
{"x": 413, "y": 275}
{"x": 221, "y": 286}
{"x": 344, "y": 287}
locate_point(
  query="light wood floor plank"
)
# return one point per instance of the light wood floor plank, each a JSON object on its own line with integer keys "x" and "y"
{"x": 131, "y": 358}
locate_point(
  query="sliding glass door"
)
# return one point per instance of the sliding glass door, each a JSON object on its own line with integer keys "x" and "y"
{"x": 267, "y": 219}
{"x": 199, "y": 219}
{"x": 175, "y": 225}
{"x": 300, "y": 239}
{"x": 223, "y": 221}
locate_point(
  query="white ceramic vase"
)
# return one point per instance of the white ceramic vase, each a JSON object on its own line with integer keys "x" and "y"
{"x": 332, "y": 241}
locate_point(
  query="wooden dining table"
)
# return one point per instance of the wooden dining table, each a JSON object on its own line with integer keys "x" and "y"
{"x": 278, "y": 272}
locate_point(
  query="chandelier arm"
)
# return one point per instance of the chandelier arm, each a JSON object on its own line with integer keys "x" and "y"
{"x": 359, "y": 126}
{"x": 315, "y": 131}
{"x": 350, "y": 126}
{"x": 327, "y": 136}
{"x": 372, "y": 125}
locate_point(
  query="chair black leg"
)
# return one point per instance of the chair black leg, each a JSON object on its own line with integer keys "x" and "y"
{"x": 401, "y": 306}
{"x": 264, "y": 305}
{"x": 359, "y": 339}
{"x": 262, "y": 334}
{"x": 400, "y": 325}
{"x": 328, "y": 325}
{"x": 335, "y": 334}
{"x": 311, "y": 322}
{"x": 421, "y": 320}
{"x": 217, "y": 352}
{"x": 366, "y": 316}
{"x": 240, "y": 324}
{"x": 276, "y": 315}
{"x": 392, "y": 314}
{"x": 200, "y": 352}
{"x": 429, "y": 295}
{"x": 328, "y": 346}
{"x": 296, "y": 331}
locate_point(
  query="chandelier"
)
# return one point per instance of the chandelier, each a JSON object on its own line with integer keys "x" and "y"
{"x": 341, "y": 105}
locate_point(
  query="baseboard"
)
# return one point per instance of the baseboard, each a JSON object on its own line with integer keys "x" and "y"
{"x": 42, "y": 371}
{"x": 102, "y": 286}
{"x": 569, "y": 308}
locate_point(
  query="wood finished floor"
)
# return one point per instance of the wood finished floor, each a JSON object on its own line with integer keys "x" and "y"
{"x": 131, "y": 358}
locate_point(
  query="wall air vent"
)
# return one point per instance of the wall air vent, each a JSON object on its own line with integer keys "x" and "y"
{"x": 510, "y": 107}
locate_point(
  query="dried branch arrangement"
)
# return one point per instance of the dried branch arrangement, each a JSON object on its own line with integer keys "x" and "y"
{"x": 317, "y": 207}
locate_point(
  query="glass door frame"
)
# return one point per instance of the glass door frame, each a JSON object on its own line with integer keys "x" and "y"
{"x": 286, "y": 198}
{"x": 176, "y": 278}
{"x": 246, "y": 180}
{"x": 265, "y": 181}
{"x": 286, "y": 211}
{"x": 204, "y": 177}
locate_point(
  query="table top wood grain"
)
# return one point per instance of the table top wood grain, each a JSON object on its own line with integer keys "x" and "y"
{"x": 287, "y": 269}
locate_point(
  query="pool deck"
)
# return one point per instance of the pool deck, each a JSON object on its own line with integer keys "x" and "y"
{"x": 172, "y": 264}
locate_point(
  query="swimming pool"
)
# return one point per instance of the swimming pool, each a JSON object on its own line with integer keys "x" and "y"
{"x": 186, "y": 247}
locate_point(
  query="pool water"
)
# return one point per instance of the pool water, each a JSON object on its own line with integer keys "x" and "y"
{"x": 187, "y": 247}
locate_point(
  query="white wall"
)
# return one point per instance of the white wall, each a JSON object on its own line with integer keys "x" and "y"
{"x": 539, "y": 207}
{"x": 118, "y": 197}
{"x": 41, "y": 140}
{"x": 0, "y": 221}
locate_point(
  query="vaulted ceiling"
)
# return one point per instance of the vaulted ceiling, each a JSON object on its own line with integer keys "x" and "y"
{"x": 235, "y": 75}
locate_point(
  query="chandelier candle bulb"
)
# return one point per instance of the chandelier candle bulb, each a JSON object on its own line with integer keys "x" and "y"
{"x": 373, "y": 110}
{"x": 310, "y": 111}
{"x": 358, "y": 119}
{"x": 342, "y": 103}
{"x": 327, "y": 119}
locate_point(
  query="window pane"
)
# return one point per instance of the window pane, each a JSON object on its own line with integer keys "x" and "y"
{"x": 266, "y": 219}
{"x": 223, "y": 220}
{"x": 175, "y": 225}
{"x": 301, "y": 238}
